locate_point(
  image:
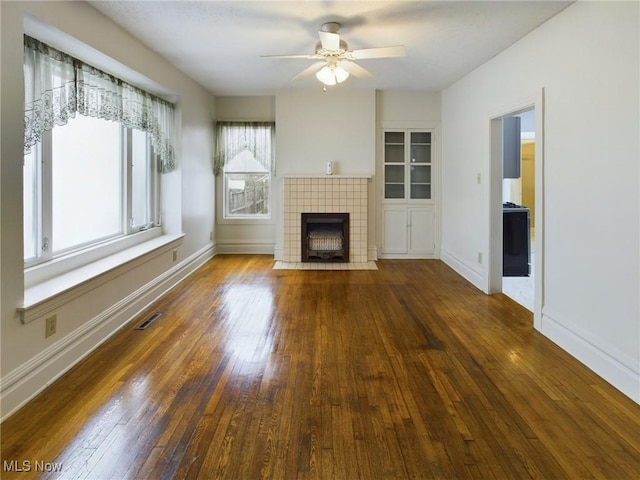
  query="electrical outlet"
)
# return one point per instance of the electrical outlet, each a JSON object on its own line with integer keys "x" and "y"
{"x": 480, "y": 257}
{"x": 50, "y": 326}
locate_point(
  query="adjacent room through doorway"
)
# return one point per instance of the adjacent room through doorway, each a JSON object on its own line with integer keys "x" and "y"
{"x": 518, "y": 203}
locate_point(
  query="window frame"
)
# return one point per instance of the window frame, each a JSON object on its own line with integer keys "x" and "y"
{"x": 153, "y": 184}
{"x": 268, "y": 218}
{"x": 44, "y": 208}
{"x": 245, "y": 216}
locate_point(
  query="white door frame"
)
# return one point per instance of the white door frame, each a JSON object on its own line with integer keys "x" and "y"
{"x": 494, "y": 265}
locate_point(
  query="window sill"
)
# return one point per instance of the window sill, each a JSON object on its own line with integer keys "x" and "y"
{"x": 44, "y": 297}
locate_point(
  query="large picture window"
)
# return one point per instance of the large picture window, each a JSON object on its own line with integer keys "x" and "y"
{"x": 88, "y": 181}
{"x": 93, "y": 147}
{"x": 245, "y": 158}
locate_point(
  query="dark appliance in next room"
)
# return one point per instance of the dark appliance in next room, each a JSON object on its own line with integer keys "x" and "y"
{"x": 516, "y": 240}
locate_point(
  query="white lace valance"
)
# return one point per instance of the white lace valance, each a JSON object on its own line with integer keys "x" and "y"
{"x": 58, "y": 85}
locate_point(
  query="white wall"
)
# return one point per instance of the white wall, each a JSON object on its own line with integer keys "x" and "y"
{"x": 29, "y": 361}
{"x": 587, "y": 60}
{"x": 408, "y": 107}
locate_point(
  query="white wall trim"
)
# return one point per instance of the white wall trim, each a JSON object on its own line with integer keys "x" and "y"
{"x": 404, "y": 256}
{"x": 621, "y": 372}
{"x": 244, "y": 247}
{"x": 25, "y": 382}
{"x": 466, "y": 271}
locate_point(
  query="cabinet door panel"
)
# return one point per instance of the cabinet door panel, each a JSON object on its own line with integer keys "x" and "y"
{"x": 421, "y": 231}
{"x": 394, "y": 234}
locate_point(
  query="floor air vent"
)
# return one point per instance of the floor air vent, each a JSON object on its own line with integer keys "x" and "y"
{"x": 147, "y": 322}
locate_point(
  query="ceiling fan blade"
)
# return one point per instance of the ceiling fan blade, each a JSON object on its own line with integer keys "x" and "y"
{"x": 310, "y": 70}
{"x": 379, "y": 52}
{"x": 355, "y": 69}
{"x": 310, "y": 56}
{"x": 329, "y": 41}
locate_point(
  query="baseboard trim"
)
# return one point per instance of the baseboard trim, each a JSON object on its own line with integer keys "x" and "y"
{"x": 248, "y": 248}
{"x": 617, "y": 371}
{"x": 25, "y": 382}
{"x": 471, "y": 275}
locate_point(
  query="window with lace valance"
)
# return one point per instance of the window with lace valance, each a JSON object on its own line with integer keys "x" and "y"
{"x": 57, "y": 86}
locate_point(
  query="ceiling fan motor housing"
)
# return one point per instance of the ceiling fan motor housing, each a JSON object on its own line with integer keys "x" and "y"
{"x": 320, "y": 50}
{"x": 330, "y": 27}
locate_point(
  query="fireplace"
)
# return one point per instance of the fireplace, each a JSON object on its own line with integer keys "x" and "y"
{"x": 325, "y": 237}
{"x": 332, "y": 194}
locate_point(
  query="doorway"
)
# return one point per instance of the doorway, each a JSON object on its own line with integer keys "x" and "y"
{"x": 518, "y": 203}
{"x": 524, "y": 191}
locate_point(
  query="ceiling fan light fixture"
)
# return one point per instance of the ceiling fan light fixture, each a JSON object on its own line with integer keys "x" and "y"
{"x": 326, "y": 76}
{"x": 331, "y": 75}
{"x": 341, "y": 74}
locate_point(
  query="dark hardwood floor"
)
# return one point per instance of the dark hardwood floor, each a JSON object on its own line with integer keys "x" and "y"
{"x": 403, "y": 372}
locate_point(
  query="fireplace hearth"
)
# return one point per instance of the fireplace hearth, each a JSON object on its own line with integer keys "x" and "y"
{"x": 325, "y": 237}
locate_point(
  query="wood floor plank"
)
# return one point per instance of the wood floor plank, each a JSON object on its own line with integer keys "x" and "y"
{"x": 407, "y": 371}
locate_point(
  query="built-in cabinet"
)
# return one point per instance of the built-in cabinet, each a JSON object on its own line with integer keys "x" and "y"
{"x": 409, "y": 211}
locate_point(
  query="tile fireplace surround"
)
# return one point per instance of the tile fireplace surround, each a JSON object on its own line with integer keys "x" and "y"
{"x": 326, "y": 194}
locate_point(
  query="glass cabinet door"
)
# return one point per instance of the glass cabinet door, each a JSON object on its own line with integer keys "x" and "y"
{"x": 407, "y": 165}
{"x": 420, "y": 166}
{"x": 394, "y": 165}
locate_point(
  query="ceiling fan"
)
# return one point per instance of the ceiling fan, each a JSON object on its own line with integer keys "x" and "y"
{"x": 335, "y": 62}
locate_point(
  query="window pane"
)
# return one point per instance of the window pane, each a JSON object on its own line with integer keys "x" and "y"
{"x": 86, "y": 182}
{"x": 31, "y": 192}
{"x": 140, "y": 181}
{"x": 247, "y": 193}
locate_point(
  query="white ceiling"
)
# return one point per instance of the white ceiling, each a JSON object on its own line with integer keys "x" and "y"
{"x": 219, "y": 43}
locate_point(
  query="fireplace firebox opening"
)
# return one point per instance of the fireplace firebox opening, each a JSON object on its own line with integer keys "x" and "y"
{"x": 325, "y": 237}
